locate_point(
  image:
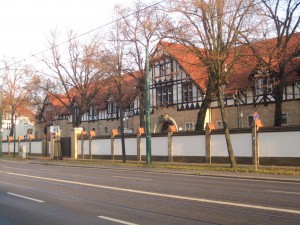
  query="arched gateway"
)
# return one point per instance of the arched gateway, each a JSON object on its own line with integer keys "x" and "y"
{"x": 163, "y": 123}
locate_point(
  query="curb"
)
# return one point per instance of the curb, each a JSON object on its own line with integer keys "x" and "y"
{"x": 181, "y": 172}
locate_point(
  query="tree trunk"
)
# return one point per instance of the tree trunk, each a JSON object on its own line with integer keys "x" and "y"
{"x": 203, "y": 109}
{"x": 122, "y": 135}
{"x": 226, "y": 129}
{"x": 13, "y": 125}
{"x": 77, "y": 122}
{"x": 278, "y": 95}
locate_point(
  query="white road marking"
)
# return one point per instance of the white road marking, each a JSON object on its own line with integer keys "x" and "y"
{"x": 294, "y": 211}
{"x": 117, "y": 221}
{"x": 46, "y": 170}
{"x": 28, "y": 198}
{"x": 133, "y": 178}
{"x": 284, "y": 192}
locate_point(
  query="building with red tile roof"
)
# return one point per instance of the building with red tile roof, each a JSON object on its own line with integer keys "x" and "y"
{"x": 178, "y": 86}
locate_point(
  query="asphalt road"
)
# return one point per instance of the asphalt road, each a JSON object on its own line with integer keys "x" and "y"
{"x": 40, "y": 194}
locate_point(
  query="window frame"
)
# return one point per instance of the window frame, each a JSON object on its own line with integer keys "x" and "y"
{"x": 164, "y": 95}
{"x": 106, "y": 130}
{"x": 285, "y": 117}
{"x": 189, "y": 126}
{"x": 250, "y": 120}
{"x": 187, "y": 92}
{"x": 111, "y": 107}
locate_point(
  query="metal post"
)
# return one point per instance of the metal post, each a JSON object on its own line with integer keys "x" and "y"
{"x": 239, "y": 115}
{"x": 148, "y": 113}
{"x": 15, "y": 134}
{"x": 1, "y": 123}
{"x": 255, "y": 135}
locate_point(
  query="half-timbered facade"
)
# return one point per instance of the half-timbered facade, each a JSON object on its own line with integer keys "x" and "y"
{"x": 177, "y": 87}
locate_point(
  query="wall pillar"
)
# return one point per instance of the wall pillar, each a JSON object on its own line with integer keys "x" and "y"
{"x": 30, "y": 138}
{"x": 139, "y": 133}
{"x": 52, "y": 149}
{"x": 255, "y": 153}
{"x": 114, "y": 132}
{"x": 74, "y": 141}
{"x": 171, "y": 130}
{"x": 208, "y": 128}
{"x": 20, "y": 138}
{"x": 170, "y": 147}
{"x": 92, "y": 134}
{"x": 58, "y": 145}
{"x": 10, "y": 138}
{"x": 83, "y": 134}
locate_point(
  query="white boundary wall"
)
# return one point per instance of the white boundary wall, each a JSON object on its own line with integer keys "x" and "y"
{"x": 271, "y": 144}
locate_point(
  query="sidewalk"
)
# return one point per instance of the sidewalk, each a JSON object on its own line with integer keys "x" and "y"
{"x": 104, "y": 164}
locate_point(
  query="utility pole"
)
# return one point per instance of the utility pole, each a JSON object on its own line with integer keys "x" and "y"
{"x": 148, "y": 113}
{"x": 1, "y": 122}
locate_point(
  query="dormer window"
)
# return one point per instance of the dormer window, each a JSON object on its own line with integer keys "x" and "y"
{"x": 296, "y": 54}
{"x": 92, "y": 110}
{"x": 264, "y": 85}
{"x": 162, "y": 70}
{"x": 111, "y": 107}
{"x": 263, "y": 82}
{"x": 131, "y": 106}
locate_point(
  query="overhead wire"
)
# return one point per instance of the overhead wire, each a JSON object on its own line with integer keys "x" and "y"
{"x": 86, "y": 33}
{"x": 103, "y": 26}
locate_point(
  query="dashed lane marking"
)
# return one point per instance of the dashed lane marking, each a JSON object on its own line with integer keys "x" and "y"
{"x": 243, "y": 205}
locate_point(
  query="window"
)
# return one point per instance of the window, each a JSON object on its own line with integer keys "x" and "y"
{"x": 284, "y": 119}
{"x": 264, "y": 85}
{"x": 250, "y": 121}
{"x": 219, "y": 124}
{"x": 25, "y": 126}
{"x": 189, "y": 126}
{"x": 187, "y": 92}
{"x": 131, "y": 106}
{"x": 111, "y": 108}
{"x": 259, "y": 86}
{"x": 105, "y": 130}
{"x": 162, "y": 70}
{"x": 92, "y": 110}
{"x": 164, "y": 95}
{"x": 8, "y": 126}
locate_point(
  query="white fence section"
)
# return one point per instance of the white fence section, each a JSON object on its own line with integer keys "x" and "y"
{"x": 278, "y": 144}
{"x": 189, "y": 145}
{"x": 35, "y": 147}
{"x": 241, "y": 144}
{"x": 159, "y": 146}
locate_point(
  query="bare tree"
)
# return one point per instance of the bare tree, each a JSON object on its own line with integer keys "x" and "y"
{"x": 16, "y": 88}
{"x": 76, "y": 69}
{"x": 283, "y": 23}
{"x": 211, "y": 30}
{"x": 116, "y": 62}
{"x": 140, "y": 31}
